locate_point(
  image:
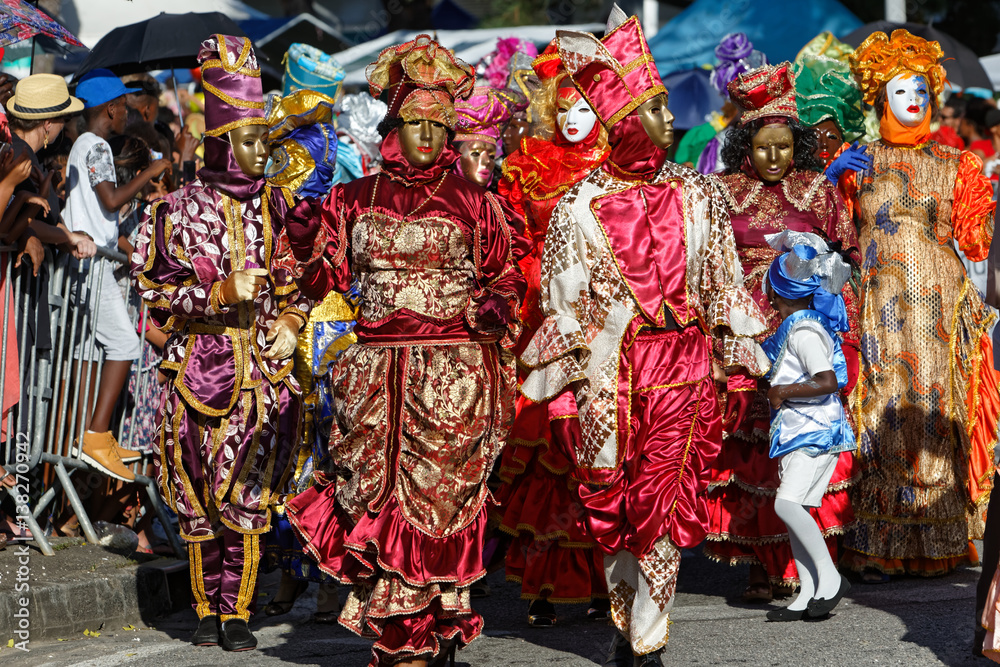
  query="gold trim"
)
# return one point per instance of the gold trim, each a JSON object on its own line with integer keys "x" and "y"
{"x": 215, "y": 63}
{"x": 243, "y": 122}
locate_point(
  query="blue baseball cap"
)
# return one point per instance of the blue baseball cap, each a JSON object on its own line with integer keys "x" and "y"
{"x": 100, "y": 86}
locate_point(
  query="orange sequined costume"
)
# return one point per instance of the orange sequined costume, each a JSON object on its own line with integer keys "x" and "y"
{"x": 926, "y": 405}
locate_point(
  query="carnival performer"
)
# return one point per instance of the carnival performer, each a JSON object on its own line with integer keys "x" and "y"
{"x": 424, "y": 399}
{"x": 304, "y": 147}
{"x": 826, "y": 95}
{"x": 639, "y": 270}
{"x": 926, "y": 403}
{"x": 985, "y": 642}
{"x": 481, "y": 119}
{"x": 809, "y": 425}
{"x": 230, "y": 419}
{"x": 552, "y": 556}
{"x": 522, "y": 79}
{"x": 773, "y": 182}
{"x": 357, "y": 137}
{"x": 736, "y": 55}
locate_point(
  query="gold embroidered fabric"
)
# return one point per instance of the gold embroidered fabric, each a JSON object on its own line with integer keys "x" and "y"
{"x": 424, "y": 268}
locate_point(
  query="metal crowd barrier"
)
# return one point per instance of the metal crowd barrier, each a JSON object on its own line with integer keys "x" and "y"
{"x": 53, "y": 386}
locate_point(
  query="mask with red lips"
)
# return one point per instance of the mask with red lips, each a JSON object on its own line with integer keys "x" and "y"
{"x": 908, "y": 98}
{"x": 575, "y": 118}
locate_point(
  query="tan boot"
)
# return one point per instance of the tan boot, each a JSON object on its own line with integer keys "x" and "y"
{"x": 127, "y": 455}
{"x": 100, "y": 451}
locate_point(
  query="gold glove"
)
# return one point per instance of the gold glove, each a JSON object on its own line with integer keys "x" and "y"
{"x": 242, "y": 286}
{"x": 282, "y": 335}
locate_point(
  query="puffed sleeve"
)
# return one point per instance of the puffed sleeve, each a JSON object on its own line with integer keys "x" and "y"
{"x": 558, "y": 352}
{"x": 973, "y": 210}
{"x": 500, "y": 286}
{"x": 716, "y": 276}
{"x": 317, "y": 231}
{"x": 164, "y": 277}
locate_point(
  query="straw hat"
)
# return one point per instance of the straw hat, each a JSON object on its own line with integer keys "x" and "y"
{"x": 42, "y": 96}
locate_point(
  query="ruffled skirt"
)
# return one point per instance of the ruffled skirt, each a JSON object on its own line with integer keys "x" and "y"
{"x": 552, "y": 556}
{"x": 398, "y": 512}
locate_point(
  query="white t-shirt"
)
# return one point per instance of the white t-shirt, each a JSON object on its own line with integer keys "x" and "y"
{"x": 90, "y": 163}
{"x": 812, "y": 349}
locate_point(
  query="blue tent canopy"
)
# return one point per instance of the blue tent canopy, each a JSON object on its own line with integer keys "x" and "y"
{"x": 779, "y": 28}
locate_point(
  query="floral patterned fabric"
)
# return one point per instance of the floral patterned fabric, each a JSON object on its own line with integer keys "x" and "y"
{"x": 422, "y": 403}
{"x": 230, "y": 421}
{"x": 20, "y": 21}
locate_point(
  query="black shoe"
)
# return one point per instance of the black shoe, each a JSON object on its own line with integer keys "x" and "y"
{"x": 236, "y": 636}
{"x": 446, "y": 654}
{"x": 818, "y": 608}
{"x": 649, "y": 660}
{"x": 785, "y": 614}
{"x": 621, "y": 652}
{"x": 541, "y": 614}
{"x": 978, "y": 639}
{"x": 207, "y": 633}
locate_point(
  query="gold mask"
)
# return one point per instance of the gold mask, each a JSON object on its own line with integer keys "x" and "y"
{"x": 477, "y": 161}
{"x": 250, "y": 150}
{"x": 422, "y": 141}
{"x": 518, "y": 128}
{"x": 771, "y": 151}
{"x": 657, "y": 120}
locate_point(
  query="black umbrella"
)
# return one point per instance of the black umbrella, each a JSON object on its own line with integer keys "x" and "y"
{"x": 962, "y": 65}
{"x": 167, "y": 41}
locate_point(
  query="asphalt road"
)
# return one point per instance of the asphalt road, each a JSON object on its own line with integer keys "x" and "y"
{"x": 906, "y": 622}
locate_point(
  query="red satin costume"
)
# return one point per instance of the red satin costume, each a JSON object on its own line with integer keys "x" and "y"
{"x": 423, "y": 401}
{"x": 552, "y": 555}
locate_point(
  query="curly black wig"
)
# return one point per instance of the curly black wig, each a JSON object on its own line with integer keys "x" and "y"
{"x": 739, "y": 140}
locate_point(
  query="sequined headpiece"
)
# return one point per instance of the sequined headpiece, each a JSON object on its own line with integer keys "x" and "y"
{"x": 234, "y": 95}
{"x": 880, "y": 58}
{"x": 615, "y": 74}
{"x": 825, "y": 90}
{"x": 421, "y": 79}
{"x": 483, "y": 115}
{"x": 765, "y": 91}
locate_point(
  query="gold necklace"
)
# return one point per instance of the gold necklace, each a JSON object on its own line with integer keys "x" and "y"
{"x": 406, "y": 216}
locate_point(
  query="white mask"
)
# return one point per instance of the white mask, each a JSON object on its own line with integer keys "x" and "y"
{"x": 577, "y": 122}
{"x": 908, "y": 97}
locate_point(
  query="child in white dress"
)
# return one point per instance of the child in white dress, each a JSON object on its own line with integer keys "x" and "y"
{"x": 808, "y": 426}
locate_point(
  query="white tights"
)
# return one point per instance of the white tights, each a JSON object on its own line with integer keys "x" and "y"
{"x": 818, "y": 575}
